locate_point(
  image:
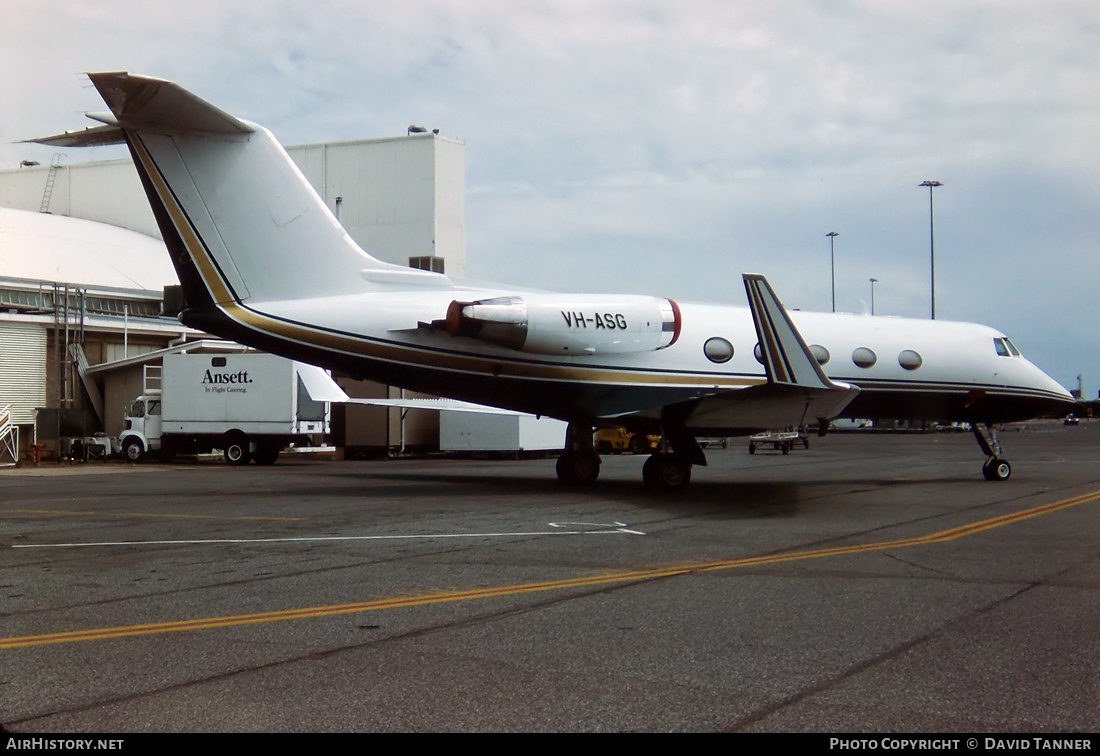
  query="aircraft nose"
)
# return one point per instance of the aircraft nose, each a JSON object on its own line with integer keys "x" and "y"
{"x": 1056, "y": 395}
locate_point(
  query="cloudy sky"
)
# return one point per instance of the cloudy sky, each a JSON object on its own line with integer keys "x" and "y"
{"x": 666, "y": 147}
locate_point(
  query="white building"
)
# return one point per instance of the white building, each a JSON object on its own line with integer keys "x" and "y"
{"x": 400, "y": 198}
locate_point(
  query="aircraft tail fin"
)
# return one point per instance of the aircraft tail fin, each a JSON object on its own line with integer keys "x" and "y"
{"x": 241, "y": 222}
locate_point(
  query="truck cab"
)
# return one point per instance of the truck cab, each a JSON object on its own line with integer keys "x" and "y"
{"x": 141, "y": 434}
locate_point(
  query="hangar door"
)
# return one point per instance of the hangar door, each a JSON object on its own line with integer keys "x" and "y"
{"x": 22, "y": 369}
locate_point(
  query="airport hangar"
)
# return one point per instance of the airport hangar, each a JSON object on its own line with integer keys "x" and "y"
{"x": 88, "y": 294}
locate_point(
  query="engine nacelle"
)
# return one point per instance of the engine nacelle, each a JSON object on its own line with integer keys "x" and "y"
{"x": 574, "y": 324}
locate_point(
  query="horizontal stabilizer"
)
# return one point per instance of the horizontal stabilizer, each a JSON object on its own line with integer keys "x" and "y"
{"x": 143, "y": 101}
{"x": 93, "y": 136}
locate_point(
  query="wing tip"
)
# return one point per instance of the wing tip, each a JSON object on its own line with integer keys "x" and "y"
{"x": 786, "y": 357}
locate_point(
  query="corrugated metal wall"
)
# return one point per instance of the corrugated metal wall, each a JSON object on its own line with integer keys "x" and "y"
{"x": 22, "y": 369}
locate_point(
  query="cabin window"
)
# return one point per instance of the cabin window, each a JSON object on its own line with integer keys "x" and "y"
{"x": 758, "y": 353}
{"x": 718, "y": 349}
{"x": 1012, "y": 347}
{"x": 820, "y": 353}
{"x": 910, "y": 360}
{"x": 1001, "y": 347}
{"x": 864, "y": 357}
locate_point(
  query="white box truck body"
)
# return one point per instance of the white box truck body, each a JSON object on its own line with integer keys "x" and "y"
{"x": 251, "y": 406}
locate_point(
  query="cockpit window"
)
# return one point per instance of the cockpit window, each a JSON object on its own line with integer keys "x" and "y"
{"x": 1005, "y": 347}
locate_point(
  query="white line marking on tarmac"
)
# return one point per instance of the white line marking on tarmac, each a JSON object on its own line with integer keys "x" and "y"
{"x": 609, "y": 527}
{"x": 604, "y": 529}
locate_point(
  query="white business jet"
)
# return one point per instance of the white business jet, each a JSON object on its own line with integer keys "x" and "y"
{"x": 263, "y": 261}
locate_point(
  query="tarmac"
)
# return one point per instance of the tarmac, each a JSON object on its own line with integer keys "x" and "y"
{"x": 868, "y": 584}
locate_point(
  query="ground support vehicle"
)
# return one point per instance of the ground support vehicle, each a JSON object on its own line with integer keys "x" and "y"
{"x": 618, "y": 440}
{"x": 782, "y": 441}
{"x": 251, "y": 406}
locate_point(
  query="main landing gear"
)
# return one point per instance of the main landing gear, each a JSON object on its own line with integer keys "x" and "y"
{"x": 666, "y": 470}
{"x": 670, "y": 468}
{"x": 579, "y": 464}
{"x": 996, "y": 467}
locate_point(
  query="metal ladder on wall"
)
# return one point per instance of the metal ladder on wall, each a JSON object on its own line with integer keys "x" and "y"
{"x": 51, "y": 177}
{"x": 9, "y": 438}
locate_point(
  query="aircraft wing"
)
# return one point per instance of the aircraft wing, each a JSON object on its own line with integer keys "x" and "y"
{"x": 319, "y": 384}
{"x": 322, "y": 388}
{"x": 450, "y": 405}
{"x": 797, "y": 390}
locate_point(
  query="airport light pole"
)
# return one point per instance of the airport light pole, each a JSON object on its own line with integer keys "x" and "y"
{"x": 932, "y": 238}
{"x": 832, "y": 263}
{"x": 873, "y": 282}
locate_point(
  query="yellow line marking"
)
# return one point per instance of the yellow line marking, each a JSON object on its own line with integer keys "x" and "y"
{"x": 210, "y": 623}
{"x": 148, "y": 514}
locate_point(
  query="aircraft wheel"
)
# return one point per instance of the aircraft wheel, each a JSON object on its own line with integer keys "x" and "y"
{"x": 668, "y": 472}
{"x": 787, "y": 448}
{"x": 675, "y": 473}
{"x": 134, "y": 450}
{"x": 752, "y": 448}
{"x": 578, "y": 468}
{"x": 236, "y": 450}
{"x": 996, "y": 468}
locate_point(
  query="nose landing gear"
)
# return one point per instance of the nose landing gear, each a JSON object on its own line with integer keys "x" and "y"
{"x": 996, "y": 467}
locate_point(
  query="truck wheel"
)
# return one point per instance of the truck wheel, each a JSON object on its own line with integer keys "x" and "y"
{"x": 236, "y": 448}
{"x": 134, "y": 450}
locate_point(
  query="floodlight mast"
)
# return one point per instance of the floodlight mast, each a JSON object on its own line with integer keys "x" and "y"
{"x": 832, "y": 264}
{"x": 931, "y": 184}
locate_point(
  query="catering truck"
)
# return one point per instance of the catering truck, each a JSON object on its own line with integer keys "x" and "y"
{"x": 249, "y": 405}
